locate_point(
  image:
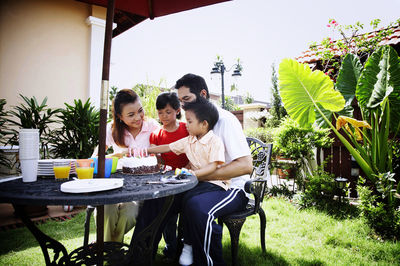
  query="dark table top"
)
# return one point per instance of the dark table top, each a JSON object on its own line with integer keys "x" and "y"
{"x": 47, "y": 191}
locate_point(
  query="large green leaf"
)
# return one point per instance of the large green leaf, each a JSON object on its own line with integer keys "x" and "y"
{"x": 379, "y": 81}
{"x": 302, "y": 89}
{"x": 349, "y": 73}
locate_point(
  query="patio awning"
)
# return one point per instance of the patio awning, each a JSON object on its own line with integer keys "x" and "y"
{"x": 128, "y": 13}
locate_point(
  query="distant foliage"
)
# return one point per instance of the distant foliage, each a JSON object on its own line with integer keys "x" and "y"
{"x": 230, "y": 105}
{"x": 113, "y": 91}
{"x": 261, "y": 133}
{"x": 148, "y": 96}
{"x": 248, "y": 98}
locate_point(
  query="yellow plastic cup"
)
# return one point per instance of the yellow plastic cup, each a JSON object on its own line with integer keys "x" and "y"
{"x": 85, "y": 172}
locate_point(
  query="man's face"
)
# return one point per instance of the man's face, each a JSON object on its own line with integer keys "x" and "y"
{"x": 185, "y": 96}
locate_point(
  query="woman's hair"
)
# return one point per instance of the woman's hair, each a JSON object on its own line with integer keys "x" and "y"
{"x": 122, "y": 98}
{"x": 170, "y": 98}
{"x": 204, "y": 110}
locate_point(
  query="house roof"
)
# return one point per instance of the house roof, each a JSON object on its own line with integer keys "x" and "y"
{"x": 310, "y": 56}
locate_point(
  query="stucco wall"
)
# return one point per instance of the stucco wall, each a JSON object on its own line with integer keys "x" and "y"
{"x": 44, "y": 50}
{"x": 248, "y": 112}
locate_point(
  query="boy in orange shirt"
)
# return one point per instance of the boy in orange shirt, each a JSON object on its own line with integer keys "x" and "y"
{"x": 204, "y": 149}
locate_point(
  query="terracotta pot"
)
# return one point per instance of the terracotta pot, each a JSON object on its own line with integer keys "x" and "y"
{"x": 289, "y": 171}
{"x": 286, "y": 173}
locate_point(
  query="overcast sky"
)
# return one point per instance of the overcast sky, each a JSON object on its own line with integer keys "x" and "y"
{"x": 259, "y": 32}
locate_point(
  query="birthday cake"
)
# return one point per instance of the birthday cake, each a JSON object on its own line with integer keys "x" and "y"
{"x": 139, "y": 165}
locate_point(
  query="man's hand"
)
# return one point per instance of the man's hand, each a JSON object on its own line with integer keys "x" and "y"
{"x": 238, "y": 167}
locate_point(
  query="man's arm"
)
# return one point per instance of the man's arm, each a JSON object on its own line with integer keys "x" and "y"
{"x": 206, "y": 170}
{"x": 240, "y": 166}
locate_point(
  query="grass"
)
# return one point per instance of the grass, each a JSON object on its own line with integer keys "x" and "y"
{"x": 293, "y": 237}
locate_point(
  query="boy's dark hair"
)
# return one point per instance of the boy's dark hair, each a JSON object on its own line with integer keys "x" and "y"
{"x": 195, "y": 84}
{"x": 204, "y": 110}
{"x": 170, "y": 98}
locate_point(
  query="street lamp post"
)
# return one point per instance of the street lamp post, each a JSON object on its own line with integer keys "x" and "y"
{"x": 219, "y": 68}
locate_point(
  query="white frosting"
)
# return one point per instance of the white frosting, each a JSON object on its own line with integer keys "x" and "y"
{"x": 133, "y": 162}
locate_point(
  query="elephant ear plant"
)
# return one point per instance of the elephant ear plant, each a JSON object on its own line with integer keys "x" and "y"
{"x": 79, "y": 133}
{"x": 305, "y": 93}
{"x": 376, "y": 87}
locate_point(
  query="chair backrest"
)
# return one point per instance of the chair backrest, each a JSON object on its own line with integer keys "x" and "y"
{"x": 261, "y": 154}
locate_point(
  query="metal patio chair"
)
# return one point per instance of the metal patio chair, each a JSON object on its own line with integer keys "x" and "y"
{"x": 257, "y": 186}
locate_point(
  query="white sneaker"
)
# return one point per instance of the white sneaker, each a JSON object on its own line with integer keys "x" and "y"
{"x": 186, "y": 257}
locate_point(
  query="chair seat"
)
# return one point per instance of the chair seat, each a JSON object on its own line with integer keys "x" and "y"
{"x": 248, "y": 211}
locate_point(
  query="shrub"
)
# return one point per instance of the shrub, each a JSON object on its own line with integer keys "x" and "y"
{"x": 380, "y": 208}
{"x": 293, "y": 141}
{"x": 281, "y": 191}
{"x": 319, "y": 190}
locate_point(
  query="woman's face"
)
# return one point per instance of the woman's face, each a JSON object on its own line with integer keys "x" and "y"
{"x": 132, "y": 115}
{"x": 167, "y": 115}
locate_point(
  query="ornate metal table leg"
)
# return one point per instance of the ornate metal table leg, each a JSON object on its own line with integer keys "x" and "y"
{"x": 44, "y": 240}
{"x": 141, "y": 247}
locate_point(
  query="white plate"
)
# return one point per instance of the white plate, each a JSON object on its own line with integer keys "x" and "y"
{"x": 91, "y": 185}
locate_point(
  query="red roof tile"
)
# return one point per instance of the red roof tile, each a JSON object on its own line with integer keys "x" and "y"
{"x": 310, "y": 56}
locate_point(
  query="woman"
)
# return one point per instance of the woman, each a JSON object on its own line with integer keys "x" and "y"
{"x": 129, "y": 129}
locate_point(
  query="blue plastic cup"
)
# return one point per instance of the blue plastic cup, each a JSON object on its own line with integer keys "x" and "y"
{"x": 109, "y": 163}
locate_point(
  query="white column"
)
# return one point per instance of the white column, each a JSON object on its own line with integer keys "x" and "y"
{"x": 97, "y": 30}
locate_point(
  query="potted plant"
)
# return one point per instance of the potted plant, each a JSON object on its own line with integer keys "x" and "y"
{"x": 79, "y": 132}
{"x": 31, "y": 114}
{"x": 8, "y": 154}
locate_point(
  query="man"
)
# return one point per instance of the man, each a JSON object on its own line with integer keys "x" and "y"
{"x": 204, "y": 207}
{"x": 205, "y": 203}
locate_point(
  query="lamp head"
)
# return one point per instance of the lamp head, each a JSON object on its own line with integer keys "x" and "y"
{"x": 341, "y": 181}
{"x": 236, "y": 73}
{"x": 215, "y": 70}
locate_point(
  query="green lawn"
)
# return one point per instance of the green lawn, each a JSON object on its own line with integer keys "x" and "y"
{"x": 293, "y": 237}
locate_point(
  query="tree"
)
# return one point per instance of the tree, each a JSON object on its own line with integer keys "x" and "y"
{"x": 278, "y": 112}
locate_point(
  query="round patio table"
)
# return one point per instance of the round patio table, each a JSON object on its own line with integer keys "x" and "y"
{"x": 136, "y": 187}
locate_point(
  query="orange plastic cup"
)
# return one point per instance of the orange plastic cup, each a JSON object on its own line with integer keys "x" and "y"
{"x": 85, "y": 168}
{"x": 84, "y": 162}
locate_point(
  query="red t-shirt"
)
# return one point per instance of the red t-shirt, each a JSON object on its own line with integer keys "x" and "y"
{"x": 161, "y": 136}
